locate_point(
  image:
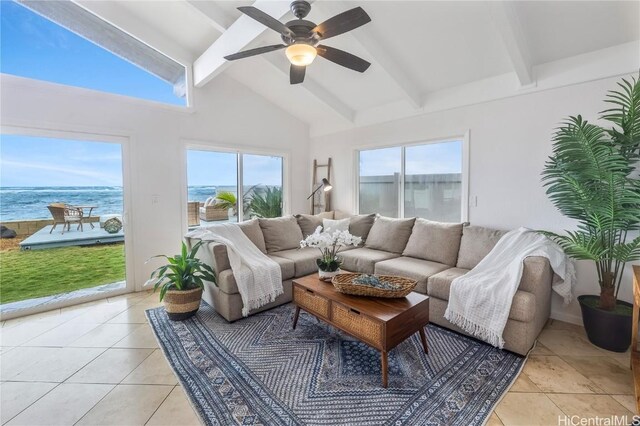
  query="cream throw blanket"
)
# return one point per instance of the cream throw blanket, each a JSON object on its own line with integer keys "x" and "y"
{"x": 480, "y": 300}
{"x": 259, "y": 278}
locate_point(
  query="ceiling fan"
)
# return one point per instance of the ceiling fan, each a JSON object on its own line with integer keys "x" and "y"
{"x": 302, "y": 38}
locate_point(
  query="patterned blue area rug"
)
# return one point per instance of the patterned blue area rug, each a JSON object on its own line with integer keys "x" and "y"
{"x": 260, "y": 371}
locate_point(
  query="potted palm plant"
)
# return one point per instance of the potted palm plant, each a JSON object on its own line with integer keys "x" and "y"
{"x": 592, "y": 177}
{"x": 181, "y": 282}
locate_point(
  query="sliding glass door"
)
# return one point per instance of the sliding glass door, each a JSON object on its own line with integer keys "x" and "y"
{"x": 62, "y": 209}
{"x": 232, "y": 186}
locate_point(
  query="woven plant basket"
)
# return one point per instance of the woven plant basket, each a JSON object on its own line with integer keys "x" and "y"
{"x": 344, "y": 284}
{"x": 182, "y": 304}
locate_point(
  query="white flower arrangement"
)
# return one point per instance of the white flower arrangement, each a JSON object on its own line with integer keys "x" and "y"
{"x": 330, "y": 243}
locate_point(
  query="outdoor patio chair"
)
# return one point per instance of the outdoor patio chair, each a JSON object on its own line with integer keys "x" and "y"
{"x": 66, "y": 215}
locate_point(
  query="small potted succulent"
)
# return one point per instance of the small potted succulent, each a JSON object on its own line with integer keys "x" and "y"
{"x": 329, "y": 244}
{"x": 181, "y": 282}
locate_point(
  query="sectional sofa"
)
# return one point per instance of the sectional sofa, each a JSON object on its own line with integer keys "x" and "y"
{"x": 432, "y": 253}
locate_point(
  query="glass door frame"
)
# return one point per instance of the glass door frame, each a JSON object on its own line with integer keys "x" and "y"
{"x": 464, "y": 208}
{"x": 90, "y": 136}
{"x": 239, "y": 150}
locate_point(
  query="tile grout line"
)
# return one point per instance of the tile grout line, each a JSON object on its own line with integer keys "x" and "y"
{"x": 160, "y": 405}
{"x": 28, "y": 406}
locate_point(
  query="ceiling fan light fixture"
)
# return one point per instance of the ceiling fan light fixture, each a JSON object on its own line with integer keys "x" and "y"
{"x": 301, "y": 54}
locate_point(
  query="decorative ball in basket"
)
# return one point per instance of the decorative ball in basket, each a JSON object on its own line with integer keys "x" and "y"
{"x": 388, "y": 286}
{"x": 113, "y": 225}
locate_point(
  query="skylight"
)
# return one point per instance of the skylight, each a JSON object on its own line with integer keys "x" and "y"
{"x": 40, "y": 40}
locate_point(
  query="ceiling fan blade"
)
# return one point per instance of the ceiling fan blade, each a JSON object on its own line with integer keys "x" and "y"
{"x": 267, "y": 20}
{"x": 252, "y": 52}
{"x": 341, "y": 23}
{"x": 343, "y": 58}
{"x": 296, "y": 75}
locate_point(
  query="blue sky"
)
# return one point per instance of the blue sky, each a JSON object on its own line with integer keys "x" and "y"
{"x": 32, "y": 161}
{"x": 433, "y": 158}
{"x": 220, "y": 168}
{"x": 34, "y": 47}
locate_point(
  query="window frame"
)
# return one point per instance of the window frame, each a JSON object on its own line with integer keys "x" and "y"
{"x": 195, "y": 145}
{"x": 464, "y": 196}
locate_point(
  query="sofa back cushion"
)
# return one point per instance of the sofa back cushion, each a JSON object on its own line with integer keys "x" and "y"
{"x": 389, "y": 234}
{"x": 435, "y": 241}
{"x": 309, "y": 222}
{"x": 360, "y": 225}
{"x": 339, "y": 214}
{"x": 333, "y": 225}
{"x": 252, "y": 230}
{"x": 476, "y": 243}
{"x": 281, "y": 233}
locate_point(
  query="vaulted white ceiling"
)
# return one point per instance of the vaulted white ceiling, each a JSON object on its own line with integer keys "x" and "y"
{"x": 425, "y": 55}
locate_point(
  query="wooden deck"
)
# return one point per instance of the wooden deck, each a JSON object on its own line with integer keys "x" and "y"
{"x": 44, "y": 240}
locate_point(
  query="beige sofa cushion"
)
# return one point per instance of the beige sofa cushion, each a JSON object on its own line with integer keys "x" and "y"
{"x": 476, "y": 243}
{"x": 416, "y": 269}
{"x": 389, "y": 234}
{"x": 339, "y": 214}
{"x": 435, "y": 241}
{"x": 252, "y": 230}
{"x": 438, "y": 285}
{"x": 363, "y": 259}
{"x": 281, "y": 233}
{"x": 360, "y": 225}
{"x": 304, "y": 260}
{"x": 308, "y": 223}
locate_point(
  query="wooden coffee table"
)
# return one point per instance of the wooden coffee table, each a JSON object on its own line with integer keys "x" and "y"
{"x": 380, "y": 323}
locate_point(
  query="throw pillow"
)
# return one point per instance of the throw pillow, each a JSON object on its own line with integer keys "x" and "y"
{"x": 361, "y": 225}
{"x": 308, "y": 223}
{"x": 336, "y": 225}
{"x": 390, "y": 234}
{"x": 252, "y": 230}
{"x": 476, "y": 243}
{"x": 435, "y": 241}
{"x": 338, "y": 214}
{"x": 325, "y": 215}
{"x": 282, "y": 233}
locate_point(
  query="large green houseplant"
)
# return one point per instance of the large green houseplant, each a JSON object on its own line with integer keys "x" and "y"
{"x": 181, "y": 282}
{"x": 592, "y": 177}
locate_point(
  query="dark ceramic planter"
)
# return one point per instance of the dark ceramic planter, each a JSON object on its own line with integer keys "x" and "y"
{"x": 606, "y": 330}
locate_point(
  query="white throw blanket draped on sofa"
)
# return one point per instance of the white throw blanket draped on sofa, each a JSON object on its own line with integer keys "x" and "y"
{"x": 259, "y": 278}
{"x": 480, "y": 300}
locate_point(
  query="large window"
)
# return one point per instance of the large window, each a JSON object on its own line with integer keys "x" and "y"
{"x": 233, "y": 186}
{"x": 423, "y": 180}
{"x": 60, "y": 42}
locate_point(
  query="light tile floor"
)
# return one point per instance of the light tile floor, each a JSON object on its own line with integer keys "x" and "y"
{"x": 99, "y": 363}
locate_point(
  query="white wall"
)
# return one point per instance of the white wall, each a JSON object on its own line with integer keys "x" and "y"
{"x": 510, "y": 140}
{"x": 225, "y": 114}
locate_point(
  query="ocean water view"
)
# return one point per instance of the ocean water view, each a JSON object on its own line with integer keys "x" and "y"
{"x": 19, "y": 203}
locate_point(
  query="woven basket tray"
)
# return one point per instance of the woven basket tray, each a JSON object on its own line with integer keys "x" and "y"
{"x": 344, "y": 284}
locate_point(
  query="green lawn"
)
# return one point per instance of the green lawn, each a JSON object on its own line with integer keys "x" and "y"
{"x": 37, "y": 273}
